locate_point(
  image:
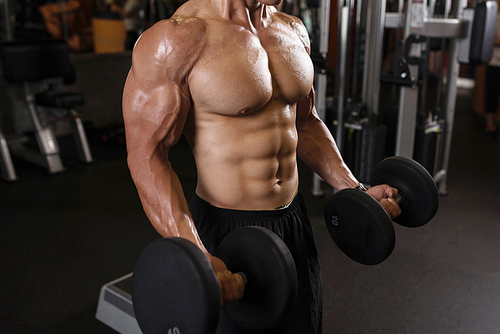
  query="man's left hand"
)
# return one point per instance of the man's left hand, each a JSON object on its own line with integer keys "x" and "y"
{"x": 385, "y": 194}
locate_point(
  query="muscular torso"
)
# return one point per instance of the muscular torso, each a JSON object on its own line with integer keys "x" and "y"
{"x": 244, "y": 87}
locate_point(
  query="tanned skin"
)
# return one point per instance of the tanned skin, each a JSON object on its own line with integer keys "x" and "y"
{"x": 235, "y": 77}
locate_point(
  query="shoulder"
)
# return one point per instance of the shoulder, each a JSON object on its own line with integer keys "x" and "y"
{"x": 170, "y": 47}
{"x": 294, "y": 24}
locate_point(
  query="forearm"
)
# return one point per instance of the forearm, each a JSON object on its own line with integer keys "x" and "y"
{"x": 317, "y": 148}
{"x": 163, "y": 199}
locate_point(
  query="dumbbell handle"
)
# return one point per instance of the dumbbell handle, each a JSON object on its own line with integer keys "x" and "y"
{"x": 398, "y": 198}
{"x": 401, "y": 199}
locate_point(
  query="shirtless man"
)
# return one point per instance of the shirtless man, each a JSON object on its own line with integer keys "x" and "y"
{"x": 236, "y": 78}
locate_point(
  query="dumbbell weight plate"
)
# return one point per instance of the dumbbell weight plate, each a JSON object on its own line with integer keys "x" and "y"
{"x": 174, "y": 287}
{"x": 272, "y": 277}
{"x": 420, "y": 193}
{"x": 359, "y": 226}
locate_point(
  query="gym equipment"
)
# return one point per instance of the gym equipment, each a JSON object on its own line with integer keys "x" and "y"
{"x": 271, "y": 274}
{"x": 151, "y": 12}
{"x": 475, "y": 48}
{"x": 428, "y": 134}
{"x": 7, "y": 170}
{"x": 360, "y": 226}
{"x": 360, "y": 136}
{"x": 322, "y": 22}
{"x": 45, "y": 63}
{"x": 417, "y": 193}
{"x": 431, "y": 126}
{"x": 401, "y": 76}
{"x": 364, "y": 147}
{"x": 423, "y": 30}
{"x": 115, "y": 307}
{"x": 478, "y": 47}
{"x": 6, "y": 24}
{"x": 410, "y": 42}
{"x": 174, "y": 287}
{"x": 429, "y": 144}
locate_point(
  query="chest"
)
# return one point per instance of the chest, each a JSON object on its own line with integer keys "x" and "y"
{"x": 240, "y": 72}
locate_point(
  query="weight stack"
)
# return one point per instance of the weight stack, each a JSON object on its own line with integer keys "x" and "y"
{"x": 429, "y": 146}
{"x": 364, "y": 147}
{"x": 370, "y": 150}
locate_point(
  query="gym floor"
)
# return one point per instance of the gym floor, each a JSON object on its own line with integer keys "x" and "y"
{"x": 64, "y": 236}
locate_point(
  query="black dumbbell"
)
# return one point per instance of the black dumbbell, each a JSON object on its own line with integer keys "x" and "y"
{"x": 360, "y": 226}
{"x": 174, "y": 288}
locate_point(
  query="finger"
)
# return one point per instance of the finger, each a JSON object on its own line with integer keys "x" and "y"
{"x": 392, "y": 192}
{"x": 391, "y": 207}
{"x": 396, "y": 210}
{"x": 395, "y": 205}
{"x": 230, "y": 288}
{"x": 220, "y": 278}
{"x": 241, "y": 285}
{"x": 237, "y": 286}
{"x": 225, "y": 288}
{"x": 382, "y": 191}
{"x": 387, "y": 191}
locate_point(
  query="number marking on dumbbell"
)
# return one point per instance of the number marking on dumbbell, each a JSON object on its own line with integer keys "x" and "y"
{"x": 334, "y": 219}
{"x": 174, "y": 330}
{"x": 359, "y": 225}
{"x": 362, "y": 232}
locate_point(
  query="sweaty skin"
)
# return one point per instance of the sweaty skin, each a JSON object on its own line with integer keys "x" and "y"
{"x": 236, "y": 78}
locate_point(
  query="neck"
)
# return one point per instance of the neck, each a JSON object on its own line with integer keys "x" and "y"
{"x": 249, "y": 13}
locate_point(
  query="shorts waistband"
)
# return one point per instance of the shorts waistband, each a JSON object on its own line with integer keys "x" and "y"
{"x": 204, "y": 207}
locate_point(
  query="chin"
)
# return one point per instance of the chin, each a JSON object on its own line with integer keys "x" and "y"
{"x": 271, "y": 2}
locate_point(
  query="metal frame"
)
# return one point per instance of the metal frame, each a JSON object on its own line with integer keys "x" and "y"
{"x": 408, "y": 100}
{"x": 456, "y": 30}
{"x": 7, "y": 170}
{"x": 451, "y": 96}
{"x": 416, "y": 21}
{"x": 321, "y": 78}
{"x": 49, "y": 155}
{"x": 373, "y": 63}
{"x": 7, "y": 25}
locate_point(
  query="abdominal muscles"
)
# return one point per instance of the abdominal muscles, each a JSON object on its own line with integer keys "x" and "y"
{"x": 247, "y": 162}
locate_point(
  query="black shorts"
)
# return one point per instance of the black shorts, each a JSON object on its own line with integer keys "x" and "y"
{"x": 293, "y": 226}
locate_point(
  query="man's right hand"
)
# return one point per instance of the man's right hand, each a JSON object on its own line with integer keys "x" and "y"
{"x": 231, "y": 285}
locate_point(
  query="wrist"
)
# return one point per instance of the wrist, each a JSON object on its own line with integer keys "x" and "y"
{"x": 361, "y": 187}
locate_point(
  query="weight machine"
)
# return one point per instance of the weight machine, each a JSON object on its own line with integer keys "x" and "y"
{"x": 356, "y": 122}
{"x": 42, "y": 68}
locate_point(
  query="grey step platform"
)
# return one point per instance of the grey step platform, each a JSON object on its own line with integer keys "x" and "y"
{"x": 115, "y": 307}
